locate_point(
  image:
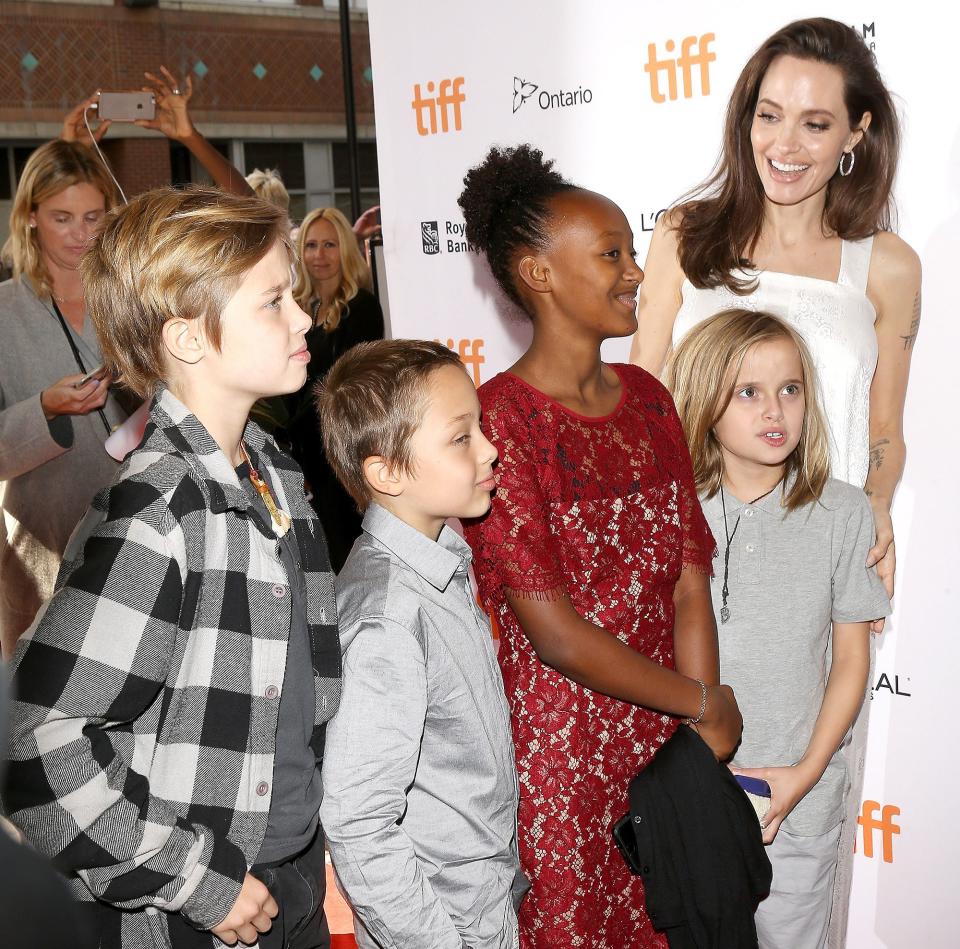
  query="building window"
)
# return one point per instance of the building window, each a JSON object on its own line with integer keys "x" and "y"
{"x": 316, "y": 174}
{"x": 368, "y": 173}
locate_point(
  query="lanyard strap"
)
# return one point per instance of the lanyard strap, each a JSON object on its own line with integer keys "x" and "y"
{"x": 77, "y": 357}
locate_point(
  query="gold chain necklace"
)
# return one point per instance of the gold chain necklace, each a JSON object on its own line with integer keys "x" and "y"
{"x": 281, "y": 520}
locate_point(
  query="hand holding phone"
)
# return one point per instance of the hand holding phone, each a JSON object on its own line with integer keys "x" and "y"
{"x": 64, "y": 398}
{"x": 95, "y": 374}
{"x": 758, "y": 793}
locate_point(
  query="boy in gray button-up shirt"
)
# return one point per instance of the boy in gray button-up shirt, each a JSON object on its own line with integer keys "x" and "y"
{"x": 420, "y": 788}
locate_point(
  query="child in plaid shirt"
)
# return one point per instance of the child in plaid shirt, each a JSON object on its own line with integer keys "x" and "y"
{"x": 172, "y": 697}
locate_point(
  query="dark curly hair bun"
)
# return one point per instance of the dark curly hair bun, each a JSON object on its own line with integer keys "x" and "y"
{"x": 505, "y": 206}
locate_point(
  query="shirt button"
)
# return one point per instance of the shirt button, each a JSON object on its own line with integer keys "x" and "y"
{"x": 272, "y": 692}
{"x": 750, "y": 548}
{"x": 262, "y": 788}
{"x": 279, "y": 591}
{"x": 749, "y": 512}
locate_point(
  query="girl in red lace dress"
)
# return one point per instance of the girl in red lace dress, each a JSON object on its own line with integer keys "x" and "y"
{"x": 595, "y": 555}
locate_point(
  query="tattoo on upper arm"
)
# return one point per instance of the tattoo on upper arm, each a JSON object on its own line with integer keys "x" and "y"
{"x": 911, "y": 337}
{"x": 877, "y": 451}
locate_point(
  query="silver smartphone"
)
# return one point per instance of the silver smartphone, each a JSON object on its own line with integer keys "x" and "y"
{"x": 126, "y": 106}
{"x": 97, "y": 373}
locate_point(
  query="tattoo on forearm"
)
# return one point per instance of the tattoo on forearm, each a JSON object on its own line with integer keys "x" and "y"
{"x": 877, "y": 452}
{"x": 911, "y": 337}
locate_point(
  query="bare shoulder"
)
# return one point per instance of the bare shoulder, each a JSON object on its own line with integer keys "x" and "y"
{"x": 667, "y": 226}
{"x": 893, "y": 262}
{"x": 663, "y": 255}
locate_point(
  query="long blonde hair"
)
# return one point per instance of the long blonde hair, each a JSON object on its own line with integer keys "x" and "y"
{"x": 52, "y": 168}
{"x": 701, "y": 375}
{"x": 354, "y": 272}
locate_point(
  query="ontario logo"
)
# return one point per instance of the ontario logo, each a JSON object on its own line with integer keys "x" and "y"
{"x": 523, "y": 90}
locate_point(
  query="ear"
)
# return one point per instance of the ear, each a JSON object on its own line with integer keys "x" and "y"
{"x": 32, "y": 220}
{"x": 184, "y": 340}
{"x": 382, "y": 477}
{"x": 856, "y": 135}
{"x": 534, "y": 274}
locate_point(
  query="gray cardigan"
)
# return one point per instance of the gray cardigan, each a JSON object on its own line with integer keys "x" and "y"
{"x": 49, "y": 472}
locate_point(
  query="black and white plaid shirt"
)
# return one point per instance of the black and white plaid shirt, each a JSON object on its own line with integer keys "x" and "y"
{"x": 148, "y": 689}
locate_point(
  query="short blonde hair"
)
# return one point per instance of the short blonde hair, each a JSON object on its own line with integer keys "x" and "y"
{"x": 354, "y": 272}
{"x": 167, "y": 255}
{"x": 52, "y": 168}
{"x": 372, "y": 401}
{"x": 269, "y": 186}
{"x": 702, "y": 373}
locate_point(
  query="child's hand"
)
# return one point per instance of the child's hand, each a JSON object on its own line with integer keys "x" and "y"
{"x": 252, "y": 913}
{"x": 787, "y": 788}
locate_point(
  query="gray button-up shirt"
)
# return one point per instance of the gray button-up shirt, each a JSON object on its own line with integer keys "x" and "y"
{"x": 420, "y": 786}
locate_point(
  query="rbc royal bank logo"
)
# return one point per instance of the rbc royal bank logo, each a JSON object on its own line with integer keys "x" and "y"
{"x": 430, "y": 233}
{"x": 694, "y": 51}
{"x": 445, "y": 105}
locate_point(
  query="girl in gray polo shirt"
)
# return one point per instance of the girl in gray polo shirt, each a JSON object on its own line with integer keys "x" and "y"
{"x": 793, "y": 595}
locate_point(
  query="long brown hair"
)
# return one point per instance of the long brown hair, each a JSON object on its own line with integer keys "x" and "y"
{"x": 701, "y": 375}
{"x": 721, "y": 219}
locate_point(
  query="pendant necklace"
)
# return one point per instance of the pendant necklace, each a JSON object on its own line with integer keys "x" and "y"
{"x": 280, "y": 519}
{"x": 725, "y": 590}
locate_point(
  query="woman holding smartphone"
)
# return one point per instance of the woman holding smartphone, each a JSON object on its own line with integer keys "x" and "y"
{"x": 56, "y": 408}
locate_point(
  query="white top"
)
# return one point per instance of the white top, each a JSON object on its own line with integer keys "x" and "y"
{"x": 836, "y": 320}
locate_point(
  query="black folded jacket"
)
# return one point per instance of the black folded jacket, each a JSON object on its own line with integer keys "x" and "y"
{"x": 702, "y": 858}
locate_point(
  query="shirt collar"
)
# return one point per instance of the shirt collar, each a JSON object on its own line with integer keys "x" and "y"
{"x": 197, "y": 447}
{"x": 435, "y": 561}
{"x": 772, "y": 503}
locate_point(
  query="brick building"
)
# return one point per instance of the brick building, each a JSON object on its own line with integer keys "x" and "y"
{"x": 267, "y": 80}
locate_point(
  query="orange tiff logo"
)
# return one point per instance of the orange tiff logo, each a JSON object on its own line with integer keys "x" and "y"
{"x": 870, "y": 823}
{"x": 447, "y": 102}
{"x": 471, "y": 355}
{"x": 685, "y": 62}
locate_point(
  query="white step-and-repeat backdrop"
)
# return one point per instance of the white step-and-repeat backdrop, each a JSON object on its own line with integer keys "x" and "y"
{"x": 629, "y": 98}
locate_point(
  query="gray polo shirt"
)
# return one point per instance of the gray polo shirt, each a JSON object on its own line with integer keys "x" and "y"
{"x": 792, "y": 575}
{"x": 420, "y": 787}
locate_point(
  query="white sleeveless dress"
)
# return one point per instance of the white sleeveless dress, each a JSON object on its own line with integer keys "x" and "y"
{"x": 836, "y": 320}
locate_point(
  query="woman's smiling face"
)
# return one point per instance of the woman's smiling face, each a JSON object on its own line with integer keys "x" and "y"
{"x": 801, "y": 128}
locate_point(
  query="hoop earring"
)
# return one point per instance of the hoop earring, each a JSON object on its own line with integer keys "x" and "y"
{"x": 853, "y": 157}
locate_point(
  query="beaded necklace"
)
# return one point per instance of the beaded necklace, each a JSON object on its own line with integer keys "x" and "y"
{"x": 281, "y": 521}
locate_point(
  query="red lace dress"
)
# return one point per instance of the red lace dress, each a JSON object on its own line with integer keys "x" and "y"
{"x": 602, "y": 510}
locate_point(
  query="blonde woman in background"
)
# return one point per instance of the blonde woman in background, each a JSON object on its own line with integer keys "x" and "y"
{"x": 56, "y": 408}
{"x": 332, "y": 286}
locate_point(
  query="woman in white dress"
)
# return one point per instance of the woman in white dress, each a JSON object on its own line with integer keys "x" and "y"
{"x": 795, "y": 221}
